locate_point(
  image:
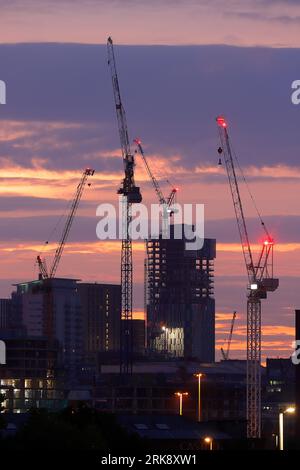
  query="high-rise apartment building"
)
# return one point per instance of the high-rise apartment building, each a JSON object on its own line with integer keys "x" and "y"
{"x": 51, "y": 308}
{"x": 5, "y": 313}
{"x": 179, "y": 298}
{"x": 101, "y": 310}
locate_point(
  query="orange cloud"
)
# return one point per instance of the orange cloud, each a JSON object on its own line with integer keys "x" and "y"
{"x": 278, "y": 247}
{"x": 276, "y": 171}
{"x": 106, "y": 246}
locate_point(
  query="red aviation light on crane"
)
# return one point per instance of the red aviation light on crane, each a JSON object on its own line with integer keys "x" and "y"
{"x": 221, "y": 121}
{"x": 137, "y": 141}
{"x": 269, "y": 242}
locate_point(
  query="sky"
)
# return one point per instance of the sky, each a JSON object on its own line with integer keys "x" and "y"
{"x": 180, "y": 64}
{"x": 173, "y": 22}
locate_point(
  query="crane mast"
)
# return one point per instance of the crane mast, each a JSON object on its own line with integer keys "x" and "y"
{"x": 261, "y": 281}
{"x": 165, "y": 203}
{"x": 44, "y": 274}
{"x": 42, "y": 267}
{"x": 130, "y": 194}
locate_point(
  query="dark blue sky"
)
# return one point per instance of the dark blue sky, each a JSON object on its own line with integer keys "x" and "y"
{"x": 171, "y": 94}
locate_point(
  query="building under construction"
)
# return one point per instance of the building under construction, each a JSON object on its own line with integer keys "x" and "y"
{"x": 179, "y": 298}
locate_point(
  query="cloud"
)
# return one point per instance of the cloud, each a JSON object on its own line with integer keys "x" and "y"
{"x": 11, "y": 205}
{"x": 256, "y": 16}
{"x": 285, "y": 229}
{"x": 36, "y": 4}
{"x": 36, "y": 226}
{"x": 176, "y": 21}
{"x": 173, "y": 111}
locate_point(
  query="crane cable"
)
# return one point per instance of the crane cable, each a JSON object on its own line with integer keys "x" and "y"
{"x": 250, "y": 193}
{"x": 164, "y": 178}
{"x": 62, "y": 216}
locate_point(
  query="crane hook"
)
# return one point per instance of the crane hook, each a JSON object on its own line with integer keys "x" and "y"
{"x": 220, "y": 150}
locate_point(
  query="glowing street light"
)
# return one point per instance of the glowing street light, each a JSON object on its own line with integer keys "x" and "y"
{"x": 289, "y": 410}
{"x": 199, "y": 375}
{"x": 180, "y": 395}
{"x": 209, "y": 441}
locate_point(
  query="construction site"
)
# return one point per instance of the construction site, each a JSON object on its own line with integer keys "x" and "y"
{"x": 71, "y": 341}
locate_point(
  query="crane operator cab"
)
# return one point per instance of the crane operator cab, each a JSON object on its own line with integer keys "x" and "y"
{"x": 133, "y": 194}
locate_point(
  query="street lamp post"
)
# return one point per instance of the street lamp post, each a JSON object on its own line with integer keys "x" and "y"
{"x": 290, "y": 410}
{"x": 180, "y": 395}
{"x": 209, "y": 441}
{"x": 281, "y": 430}
{"x": 199, "y": 375}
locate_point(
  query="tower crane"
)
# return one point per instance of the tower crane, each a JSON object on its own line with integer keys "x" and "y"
{"x": 225, "y": 355}
{"x": 261, "y": 281}
{"x": 166, "y": 203}
{"x": 130, "y": 194}
{"x": 44, "y": 274}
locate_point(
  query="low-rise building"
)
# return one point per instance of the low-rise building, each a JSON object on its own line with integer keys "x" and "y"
{"x": 31, "y": 377}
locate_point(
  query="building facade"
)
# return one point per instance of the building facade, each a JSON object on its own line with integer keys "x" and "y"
{"x": 5, "y": 313}
{"x": 138, "y": 336}
{"x": 179, "y": 298}
{"x": 51, "y": 308}
{"x": 101, "y": 311}
{"x": 30, "y": 377}
{"x": 152, "y": 387}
